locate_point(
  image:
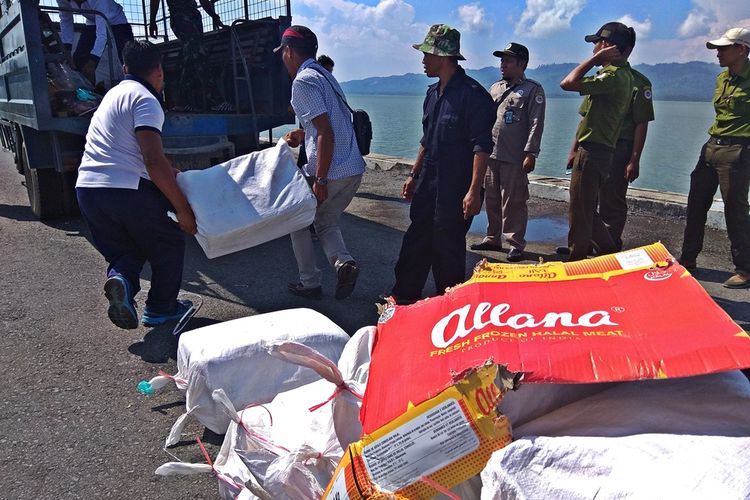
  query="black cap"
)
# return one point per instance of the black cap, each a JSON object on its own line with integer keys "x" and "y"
{"x": 298, "y": 37}
{"x": 615, "y": 33}
{"x": 515, "y": 50}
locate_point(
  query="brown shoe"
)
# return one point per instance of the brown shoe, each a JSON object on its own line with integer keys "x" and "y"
{"x": 739, "y": 280}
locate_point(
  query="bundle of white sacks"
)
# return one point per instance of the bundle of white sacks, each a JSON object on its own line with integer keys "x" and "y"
{"x": 289, "y": 411}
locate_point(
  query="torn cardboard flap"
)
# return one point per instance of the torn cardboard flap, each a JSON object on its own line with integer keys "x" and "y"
{"x": 440, "y": 442}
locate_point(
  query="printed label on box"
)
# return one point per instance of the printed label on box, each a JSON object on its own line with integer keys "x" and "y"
{"x": 634, "y": 259}
{"x": 420, "y": 447}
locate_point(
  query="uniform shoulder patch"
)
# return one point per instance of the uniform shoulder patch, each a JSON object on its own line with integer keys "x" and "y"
{"x": 647, "y": 93}
{"x": 539, "y": 98}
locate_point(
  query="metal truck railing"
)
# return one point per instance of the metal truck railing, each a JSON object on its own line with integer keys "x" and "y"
{"x": 47, "y": 147}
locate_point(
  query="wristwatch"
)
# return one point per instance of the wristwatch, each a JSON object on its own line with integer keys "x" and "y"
{"x": 321, "y": 180}
{"x": 414, "y": 175}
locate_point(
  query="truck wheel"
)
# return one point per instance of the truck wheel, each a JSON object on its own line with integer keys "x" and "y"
{"x": 17, "y": 156}
{"x": 45, "y": 190}
{"x": 70, "y": 200}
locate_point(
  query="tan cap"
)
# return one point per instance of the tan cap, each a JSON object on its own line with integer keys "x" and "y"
{"x": 734, "y": 35}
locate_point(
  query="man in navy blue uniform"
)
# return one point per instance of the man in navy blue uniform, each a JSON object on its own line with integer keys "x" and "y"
{"x": 452, "y": 160}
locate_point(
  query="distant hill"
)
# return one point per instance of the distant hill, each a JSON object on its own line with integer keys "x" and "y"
{"x": 693, "y": 81}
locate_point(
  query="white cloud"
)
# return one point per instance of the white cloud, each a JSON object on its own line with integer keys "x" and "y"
{"x": 379, "y": 35}
{"x": 642, "y": 28}
{"x": 474, "y": 18}
{"x": 710, "y": 18}
{"x": 545, "y": 17}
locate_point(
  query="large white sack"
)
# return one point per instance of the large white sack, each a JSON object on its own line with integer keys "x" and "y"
{"x": 643, "y": 466}
{"x": 248, "y": 200}
{"x": 532, "y": 401}
{"x": 282, "y": 449}
{"x": 717, "y": 404}
{"x": 618, "y": 440}
{"x": 233, "y": 356}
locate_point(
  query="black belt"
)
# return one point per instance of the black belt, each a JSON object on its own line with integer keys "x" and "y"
{"x": 729, "y": 141}
{"x": 595, "y": 146}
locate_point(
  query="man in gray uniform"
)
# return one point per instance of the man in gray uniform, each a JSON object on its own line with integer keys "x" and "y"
{"x": 517, "y": 135}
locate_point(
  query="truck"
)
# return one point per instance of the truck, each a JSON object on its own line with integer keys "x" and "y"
{"x": 47, "y": 144}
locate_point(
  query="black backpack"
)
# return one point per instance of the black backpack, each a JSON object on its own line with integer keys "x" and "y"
{"x": 360, "y": 121}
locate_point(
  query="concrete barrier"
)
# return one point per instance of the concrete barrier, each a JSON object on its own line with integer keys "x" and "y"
{"x": 651, "y": 202}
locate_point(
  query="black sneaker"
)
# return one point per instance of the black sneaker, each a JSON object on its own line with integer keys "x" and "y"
{"x": 515, "y": 255}
{"x": 346, "y": 278}
{"x": 299, "y": 290}
{"x": 400, "y": 301}
{"x": 121, "y": 309}
{"x": 688, "y": 264}
{"x": 486, "y": 246}
{"x": 562, "y": 251}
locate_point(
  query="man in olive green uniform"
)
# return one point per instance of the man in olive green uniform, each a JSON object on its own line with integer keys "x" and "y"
{"x": 609, "y": 94}
{"x": 517, "y": 135}
{"x": 725, "y": 160}
{"x": 613, "y": 205}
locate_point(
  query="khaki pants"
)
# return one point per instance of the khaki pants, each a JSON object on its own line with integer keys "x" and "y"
{"x": 590, "y": 170}
{"x": 613, "y": 195}
{"x": 340, "y": 194}
{"x": 728, "y": 168}
{"x": 506, "y": 192}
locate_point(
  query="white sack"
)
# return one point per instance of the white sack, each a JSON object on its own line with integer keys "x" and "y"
{"x": 233, "y": 356}
{"x": 643, "y": 466}
{"x": 674, "y": 438}
{"x": 532, "y": 401}
{"x": 717, "y": 404}
{"x": 248, "y": 200}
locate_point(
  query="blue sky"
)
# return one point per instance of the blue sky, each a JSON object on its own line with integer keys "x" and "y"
{"x": 374, "y": 37}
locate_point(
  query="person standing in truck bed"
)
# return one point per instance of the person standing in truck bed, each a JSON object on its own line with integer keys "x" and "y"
{"x": 197, "y": 88}
{"x": 94, "y": 35}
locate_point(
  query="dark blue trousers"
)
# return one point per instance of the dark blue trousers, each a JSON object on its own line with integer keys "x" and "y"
{"x": 130, "y": 227}
{"x": 435, "y": 239}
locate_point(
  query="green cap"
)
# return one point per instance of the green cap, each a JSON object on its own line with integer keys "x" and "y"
{"x": 443, "y": 41}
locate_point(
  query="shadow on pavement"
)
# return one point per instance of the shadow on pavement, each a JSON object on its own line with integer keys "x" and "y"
{"x": 17, "y": 212}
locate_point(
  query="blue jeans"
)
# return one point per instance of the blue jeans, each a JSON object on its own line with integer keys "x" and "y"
{"x": 129, "y": 227}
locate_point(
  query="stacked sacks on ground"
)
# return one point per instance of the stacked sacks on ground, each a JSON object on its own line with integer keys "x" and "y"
{"x": 233, "y": 356}
{"x": 290, "y": 447}
{"x": 676, "y": 438}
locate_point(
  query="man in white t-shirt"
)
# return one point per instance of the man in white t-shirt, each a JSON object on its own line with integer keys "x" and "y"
{"x": 125, "y": 188}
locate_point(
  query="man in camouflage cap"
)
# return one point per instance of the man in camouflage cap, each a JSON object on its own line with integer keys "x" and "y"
{"x": 443, "y": 41}
{"x": 458, "y": 114}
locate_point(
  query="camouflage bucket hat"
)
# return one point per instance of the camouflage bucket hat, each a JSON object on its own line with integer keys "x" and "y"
{"x": 441, "y": 40}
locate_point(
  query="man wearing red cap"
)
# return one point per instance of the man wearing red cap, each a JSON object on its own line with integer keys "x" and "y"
{"x": 335, "y": 164}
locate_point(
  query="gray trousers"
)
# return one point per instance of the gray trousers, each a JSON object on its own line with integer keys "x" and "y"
{"x": 340, "y": 194}
{"x": 506, "y": 191}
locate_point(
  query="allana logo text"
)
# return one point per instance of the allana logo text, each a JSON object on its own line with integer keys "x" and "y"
{"x": 485, "y": 314}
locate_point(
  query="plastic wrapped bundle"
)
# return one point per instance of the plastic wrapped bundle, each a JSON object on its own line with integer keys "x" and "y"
{"x": 248, "y": 200}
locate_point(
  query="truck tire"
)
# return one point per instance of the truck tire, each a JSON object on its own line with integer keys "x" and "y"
{"x": 18, "y": 142}
{"x": 45, "y": 190}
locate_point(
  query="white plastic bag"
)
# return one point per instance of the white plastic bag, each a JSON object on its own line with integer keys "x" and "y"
{"x": 248, "y": 200}
{"x": 233, "y": 356}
